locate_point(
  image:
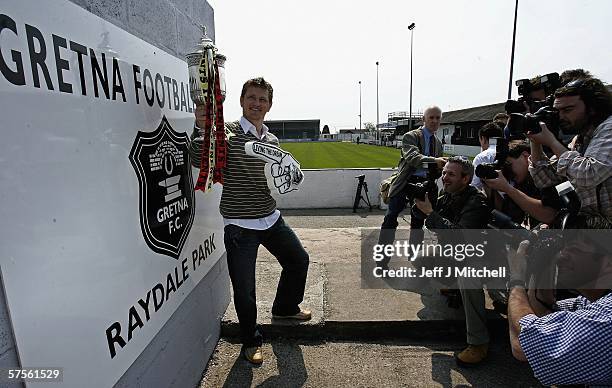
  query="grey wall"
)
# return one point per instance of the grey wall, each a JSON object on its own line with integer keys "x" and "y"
{"x": 178, "y": 354}
{"x": 172, "y": 25}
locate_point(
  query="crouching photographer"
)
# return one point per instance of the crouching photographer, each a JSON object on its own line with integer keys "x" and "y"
{"x": 521, "y": 204}
{"x": 584, "y": 109}
{"x": 460, "y": 207}
{"x": 567, "y": 341}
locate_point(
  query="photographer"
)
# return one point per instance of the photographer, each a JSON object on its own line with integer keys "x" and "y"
{"x": 521, "y": 197}
{"x": 567, "y": 342}
{"x": 585, "y": 108}
{"x": 487, "y": 155}
{"x": 462, "y": 207}
{"x": 569, "y": 75}
{"x": 418, "y": 146}
{"x": 532, "y": 93}
{"x": 535, "y": 93}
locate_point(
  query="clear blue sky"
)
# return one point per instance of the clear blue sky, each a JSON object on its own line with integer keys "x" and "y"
{"x": 315, "y": 52}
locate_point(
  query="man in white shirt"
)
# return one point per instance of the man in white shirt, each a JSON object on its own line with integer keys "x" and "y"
{"x": 251, "y": 219}
{"x": 487, "y": 155}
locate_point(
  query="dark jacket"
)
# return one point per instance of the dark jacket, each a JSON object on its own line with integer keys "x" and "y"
{"x": 467, "y": 209}
{"x": 413, "y": 145}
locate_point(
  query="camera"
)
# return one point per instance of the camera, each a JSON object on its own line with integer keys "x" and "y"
{"x": 489, "y": 170}
{"x": 543, "y": 244}
{"x": 549, "y": 83}
{"x": 428, "y": 187}
{"x": 501, "y": 221}
{"x": 564, "y": 198}
{"x": 570, "y": 205}
{"x": 519, "y": 124}
{"x": 419, "y": 189}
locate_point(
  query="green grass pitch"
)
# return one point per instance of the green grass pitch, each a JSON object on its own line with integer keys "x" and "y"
{"x": 342, "y": 155}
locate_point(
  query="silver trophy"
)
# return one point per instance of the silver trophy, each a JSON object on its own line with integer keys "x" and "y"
{"x": 201, "y": 69}
{"x": 202, "y": 78}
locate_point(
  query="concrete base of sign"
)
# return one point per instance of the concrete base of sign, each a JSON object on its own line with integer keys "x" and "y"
{"x": 179, "y": 352}
{"x": 8, "y": 350}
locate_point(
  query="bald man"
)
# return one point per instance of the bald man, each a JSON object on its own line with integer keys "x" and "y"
{"x": 418, "y": 146}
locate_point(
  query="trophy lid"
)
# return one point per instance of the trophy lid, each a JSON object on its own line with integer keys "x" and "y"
{"x": 205, "y": 42}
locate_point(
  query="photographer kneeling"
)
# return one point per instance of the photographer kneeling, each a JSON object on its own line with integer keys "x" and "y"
{"x": 522, "y": 204}
{"x": 462, "y": 207}
{"x": 567, "y": 342}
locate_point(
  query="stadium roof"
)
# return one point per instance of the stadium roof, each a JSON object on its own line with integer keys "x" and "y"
{"x": 479, "y": 113}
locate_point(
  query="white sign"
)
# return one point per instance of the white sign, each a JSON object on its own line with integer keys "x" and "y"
{"x": 102, "y": 234}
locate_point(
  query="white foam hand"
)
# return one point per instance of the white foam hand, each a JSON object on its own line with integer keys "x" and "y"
{"x": 284, "y": 169}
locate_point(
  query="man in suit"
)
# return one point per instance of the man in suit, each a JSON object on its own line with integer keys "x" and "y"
{"x": 418, "y": 146}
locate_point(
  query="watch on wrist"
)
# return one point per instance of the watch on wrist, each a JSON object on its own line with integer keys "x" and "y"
{"x": 515, "y": 283}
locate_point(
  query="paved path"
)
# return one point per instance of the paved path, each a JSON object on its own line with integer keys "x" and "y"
{"x": 395, "y": 337}
{"x": 362, "y": 364}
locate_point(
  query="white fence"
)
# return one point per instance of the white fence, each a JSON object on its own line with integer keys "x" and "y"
{"x": 334, "y": 188}
{"x": 461, "y": 150}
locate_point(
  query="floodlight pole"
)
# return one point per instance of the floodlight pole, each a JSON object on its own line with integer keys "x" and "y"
{"x": 360, "y": 105}
{"x": 377, "y": 106}
{"x": 512, "y": 55}
{"x": 411, "y": 28}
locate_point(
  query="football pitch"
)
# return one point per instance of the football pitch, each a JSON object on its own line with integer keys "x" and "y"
{"x": 342, "y": 155}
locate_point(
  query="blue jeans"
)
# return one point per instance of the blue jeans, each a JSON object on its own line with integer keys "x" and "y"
{"x": 241, "y": 245}
{"x": 397, "y": 204}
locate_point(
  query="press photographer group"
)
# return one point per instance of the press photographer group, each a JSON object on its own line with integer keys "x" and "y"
{"x": 538, "y": 195}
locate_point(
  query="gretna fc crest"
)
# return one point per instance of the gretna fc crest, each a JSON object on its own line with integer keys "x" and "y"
{"x": 160, "y": 159}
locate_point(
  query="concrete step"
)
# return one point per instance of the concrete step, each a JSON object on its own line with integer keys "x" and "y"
{"x": 343, "y": 310}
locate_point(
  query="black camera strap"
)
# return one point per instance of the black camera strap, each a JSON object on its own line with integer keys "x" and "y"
{"x": 598, "y": 194}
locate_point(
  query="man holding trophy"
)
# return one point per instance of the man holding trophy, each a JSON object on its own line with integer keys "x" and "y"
{"x": 236, "y": 155}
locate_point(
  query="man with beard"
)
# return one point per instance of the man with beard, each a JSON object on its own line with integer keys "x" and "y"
{"x": 585, "y": 109}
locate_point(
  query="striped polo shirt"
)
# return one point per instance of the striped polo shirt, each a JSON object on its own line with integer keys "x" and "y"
{"x": 246, "y": 194}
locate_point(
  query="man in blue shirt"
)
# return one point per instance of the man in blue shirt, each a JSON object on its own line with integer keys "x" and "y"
{"x": 570, "y": 341}
{"x": 418, "y": 146}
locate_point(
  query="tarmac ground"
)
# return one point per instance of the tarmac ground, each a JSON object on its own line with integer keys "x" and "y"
{"x": 358, "y": 336}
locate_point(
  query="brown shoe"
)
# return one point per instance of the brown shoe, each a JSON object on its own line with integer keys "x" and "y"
{"x": 253, "y": 355}
{"x": 473, "y": 355}
{"x": 303, "y": 315}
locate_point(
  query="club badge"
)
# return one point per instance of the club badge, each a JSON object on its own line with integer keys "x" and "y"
{"x": 167, "y": 204}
